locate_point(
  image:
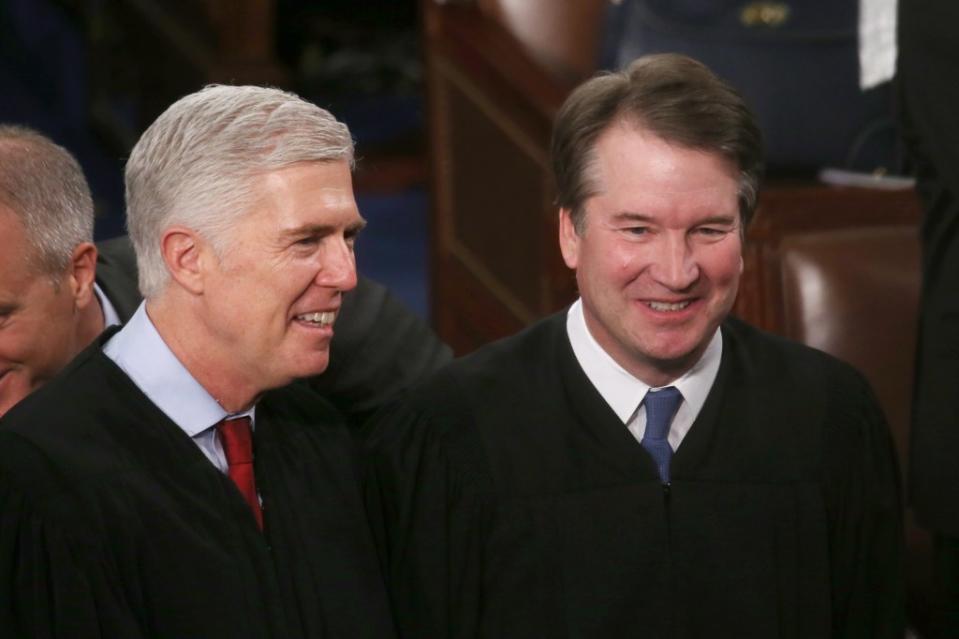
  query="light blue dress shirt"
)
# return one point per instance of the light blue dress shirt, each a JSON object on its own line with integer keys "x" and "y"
{"x": 142, "y": 354}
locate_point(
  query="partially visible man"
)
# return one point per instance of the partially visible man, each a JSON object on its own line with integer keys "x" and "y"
{"x": 58, "y": 291}
{"x": 160, "y": 486}
{"x": 928, "y": 99}
{"x": 48, "y": 311}
{"x": 643, "y": 465}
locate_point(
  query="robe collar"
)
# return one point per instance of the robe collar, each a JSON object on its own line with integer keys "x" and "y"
{"x": 139, "y": 350}
{"x": 624, "y": 392}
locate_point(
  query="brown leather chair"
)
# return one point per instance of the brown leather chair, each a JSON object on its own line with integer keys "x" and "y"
{"x": 847, "y": 281}
{"x": 854, "y": 293}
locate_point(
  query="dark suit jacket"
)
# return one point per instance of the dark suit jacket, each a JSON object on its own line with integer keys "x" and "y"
{"x": 380, "y": 346}
{"x": 929, "y": 100}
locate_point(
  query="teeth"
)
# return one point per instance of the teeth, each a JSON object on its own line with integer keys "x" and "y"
{"x": 320, "y": 319}
{"x": 664, "y": 306}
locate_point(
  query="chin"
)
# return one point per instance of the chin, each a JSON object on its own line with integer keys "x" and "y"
{"x": 671, "y": 357}
{"x": 314, "y": 366}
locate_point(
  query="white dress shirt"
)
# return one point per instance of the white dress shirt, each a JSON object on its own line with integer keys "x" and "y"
{"x": 142, "y": 354}
{"x": 624, "y": 393}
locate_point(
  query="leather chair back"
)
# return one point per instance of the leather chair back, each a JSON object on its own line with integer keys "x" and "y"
{"x": 562, "y": 36}
{"x": 854, "y": 293}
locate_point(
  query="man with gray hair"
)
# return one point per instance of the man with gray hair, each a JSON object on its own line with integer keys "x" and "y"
{"x": 174, "y": 480}
{"x": 58, "y": 290}
{"x": 48, "y": 310}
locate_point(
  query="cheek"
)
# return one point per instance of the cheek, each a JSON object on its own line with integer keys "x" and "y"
{"x": 724, "y": 266}
{"x": 48, "y": 335}
{"x": 616, "y": 260}
{"x": 11, "y": 348}
{"x": 42, "y": 353}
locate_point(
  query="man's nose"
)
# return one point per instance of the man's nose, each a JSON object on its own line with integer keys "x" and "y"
{"x": 675, "y": 265}
{"x": 338, "y": 265}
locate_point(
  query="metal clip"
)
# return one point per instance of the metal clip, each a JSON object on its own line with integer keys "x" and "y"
{"x": 764, "y": 14}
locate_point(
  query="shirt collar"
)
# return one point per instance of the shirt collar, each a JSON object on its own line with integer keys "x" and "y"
{"x": 139, "y": 350}
{"x": 110, "y": 315}
{"x": 621, "y": 390}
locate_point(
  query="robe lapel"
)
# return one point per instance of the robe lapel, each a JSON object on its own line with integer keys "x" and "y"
{"x": 613, "y": 440}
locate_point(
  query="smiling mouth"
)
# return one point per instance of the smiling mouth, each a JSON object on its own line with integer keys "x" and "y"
{"x": 667, "y": 307}
{"x": 320, "y": 319}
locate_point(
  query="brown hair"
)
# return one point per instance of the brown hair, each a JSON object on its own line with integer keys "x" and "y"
{"x": 672, "y": 96}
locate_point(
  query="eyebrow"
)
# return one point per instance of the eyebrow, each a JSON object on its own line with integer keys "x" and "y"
{"x": 322, "y": 229}
{"x": 720, "y": 219}
{"x": 632, "y": 217}
{"x": 629, "y": 216}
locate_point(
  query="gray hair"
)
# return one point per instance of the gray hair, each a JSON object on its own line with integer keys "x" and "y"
{"x": 43, "y": 185}
{"x": 197, "y": 164}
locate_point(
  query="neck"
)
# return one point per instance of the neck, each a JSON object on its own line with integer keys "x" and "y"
{"x": 216, "y": 371}
{"x": 91, "y": 323}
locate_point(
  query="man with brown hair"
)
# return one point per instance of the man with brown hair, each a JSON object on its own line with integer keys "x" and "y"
{"x": 643, "y": 465}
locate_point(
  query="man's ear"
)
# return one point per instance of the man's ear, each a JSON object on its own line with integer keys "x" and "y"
{"x": 82, "y": 273}
{"x": 183, "y": 253}
{"x": 568, "y": 239}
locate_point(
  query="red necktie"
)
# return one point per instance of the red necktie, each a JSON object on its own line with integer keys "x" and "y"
{"x": 237, "y": 441}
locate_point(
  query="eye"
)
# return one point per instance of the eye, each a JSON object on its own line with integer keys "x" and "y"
{"x": 713, "y": 232}
{"x": 710, "y": 231}
{"x": 636, "y": 230}
{"x": 307, "y": 241}
{"x": 351, "y": 235}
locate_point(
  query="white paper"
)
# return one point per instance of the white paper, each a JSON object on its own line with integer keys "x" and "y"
{"x": 877, "y": 42}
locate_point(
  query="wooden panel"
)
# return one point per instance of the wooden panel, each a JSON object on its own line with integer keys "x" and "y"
{"x": 501, "y": 66}
{"x": 492, "y": 225}
{"x": 489, "y": 215}
{"x": 496, "y": 262}
{"x": 470, "y": 315}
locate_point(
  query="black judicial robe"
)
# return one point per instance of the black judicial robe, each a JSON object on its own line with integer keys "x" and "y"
{"x": 508, "y": 500}
{"x": 929, "y": 124}
{"x": 114, "y": 524}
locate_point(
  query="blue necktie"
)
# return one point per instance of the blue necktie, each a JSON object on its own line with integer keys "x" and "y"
{"x": 661, "y": 406}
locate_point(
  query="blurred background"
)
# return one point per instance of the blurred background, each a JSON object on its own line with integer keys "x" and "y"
{"x": 450, "y": 103}
{"x": 93, "y": 74}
